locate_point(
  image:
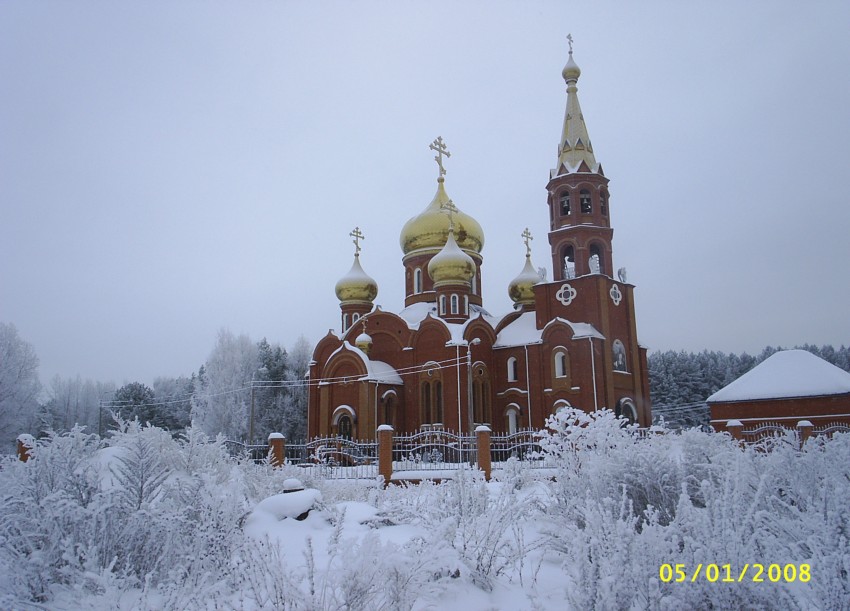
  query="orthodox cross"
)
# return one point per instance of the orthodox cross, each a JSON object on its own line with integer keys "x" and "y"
{"x": 570, "y": 40}
{"x": 440, "y": 148}
{"x": 527, "y": 237}
{"x": 450, "y": 208}
{"x": 357, "y": 235}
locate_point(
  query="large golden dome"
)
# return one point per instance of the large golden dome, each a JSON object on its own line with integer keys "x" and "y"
{"x": 430, "y": 229}
{"x": 356, "y": 285}
{"x": 451, "y": 265}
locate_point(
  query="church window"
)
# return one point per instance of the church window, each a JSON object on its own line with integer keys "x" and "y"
{"x": 596, "y": 266}
{"x": 480, "y": 397}
{"x": 569, "y": 259}
{"x": 417, "y": 281}
{"x": 426, "y": 403}
{"x": 438, "y": 403}
{"x": 565, "y": 204}
{"x": 344, "y": 323}
{"x": 344, "y": 427}
{"x": 355, "y": 317}
{"x": 625, "y": 408}
{"x": 584, "y": 199}
{"x": 442, "y": 305}
{"x": 474, "y": 284}
{"x": 619, "y": 352}
{"x": 512, "y": 369}
{"x": 562, "y": 364}
{"x": 466, "y": 305}
{"x": 512, "y": 417}
{"x": 455, "y": 305}
{"x": 603, "y": 203}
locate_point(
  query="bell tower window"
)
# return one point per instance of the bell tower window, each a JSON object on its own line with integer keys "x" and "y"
{"x": 584, "y": 199}
{"x": 569, "y": 259}
{"x": 603, "y": 204}
{"x": 565, "y": 204}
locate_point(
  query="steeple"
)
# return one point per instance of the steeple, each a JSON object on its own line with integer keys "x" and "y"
{"x": 356, "y": 290}
{"x": 575, "y": 153}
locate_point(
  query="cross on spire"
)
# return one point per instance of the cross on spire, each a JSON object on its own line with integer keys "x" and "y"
{"x": 570, "y": 40}
{"x": 357, "y": 235}
{"x": 527, "y": 237}
{"x": 440, "y": 148}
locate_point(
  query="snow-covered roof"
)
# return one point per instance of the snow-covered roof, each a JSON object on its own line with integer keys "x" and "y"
{"x": 376, "y": 371}
{"x": 524, "y": 331}
{"x": 789, "y": 373}
{"x": 415, "y": 313}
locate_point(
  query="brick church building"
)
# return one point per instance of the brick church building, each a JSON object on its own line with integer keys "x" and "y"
{"x": 445, "y": 362}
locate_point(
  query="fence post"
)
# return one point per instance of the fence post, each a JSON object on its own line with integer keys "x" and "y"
{"x": 385, "y": 453}
{"x": 735, "y": 429}
{"x": 482, "y": 435}
{"x": 804, "y": 430}
{"x": 25, "y": 445}
{"x": 277, "y": 449}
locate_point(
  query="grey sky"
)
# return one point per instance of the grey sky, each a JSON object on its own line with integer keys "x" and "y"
{"x": 170, "y": 168}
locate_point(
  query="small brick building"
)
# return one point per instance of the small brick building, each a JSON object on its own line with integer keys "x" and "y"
{"x": 444, "y": 361}
{"x": 787, "y": 387}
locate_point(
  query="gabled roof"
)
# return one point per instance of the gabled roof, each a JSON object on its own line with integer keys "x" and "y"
{"x": 376, "y": 371}
{"x": 786, "y": 374}
{"x": 523, "y": 331}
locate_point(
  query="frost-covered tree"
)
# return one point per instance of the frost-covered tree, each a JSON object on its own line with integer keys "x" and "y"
{"x": 19, "y": 385}
{"x": 73, "y": 401}
{"x": 221, "y": 403}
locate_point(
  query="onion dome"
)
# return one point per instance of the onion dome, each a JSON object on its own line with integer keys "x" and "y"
{"x": 364, "y": 342}
{"x": 356, "y": 285}
{"x": 521, "y": 288}
{"x": 430, "y": 229}
{"x": 571, "y": 71}
{"x": 451, "y": 265}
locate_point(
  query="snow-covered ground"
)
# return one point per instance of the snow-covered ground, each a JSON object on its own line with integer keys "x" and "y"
{"x": 143, "y": 521}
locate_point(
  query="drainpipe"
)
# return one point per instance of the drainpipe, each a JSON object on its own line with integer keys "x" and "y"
{"x": 593, "y": 369}
{"x": 527, "y": 387}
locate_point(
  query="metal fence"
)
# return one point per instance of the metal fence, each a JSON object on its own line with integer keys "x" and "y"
{"x": 434, "y": 450}
{"x": 335, "y": 457}
{"x": 523, "y": 445}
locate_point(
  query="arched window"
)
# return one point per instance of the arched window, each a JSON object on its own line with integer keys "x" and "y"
{"x": 569, "y": 258}
{"x": 426, "y": 403}
{"x": 626, "y": 409}
{"x": 355, "y": 317}
{"x": 562, "y": 364}
{"x": 565, "y": 203}
{"x": 389, "y": 399}
{"x": 344, "y": 323}
{"x": 559, "y": 405}
{"x": 466, "y": 305}
{"x": 603, "y": 203}
{"x": 584, "y": 200}
{"x": 596, "y": 266}
{"x": 437, "y": 408}
{"x": 512, "y": 369}
{"x": 512, "y": 419}
{"x": 442, "y": 305}
{"x": 474, "y": 283}
{"x": 417, "y": 281}
{"x": 619, "y": 353}
{"x": 344, "y": 427}
{"x": 455, "y": 305}
{"x": 480, "y": 395}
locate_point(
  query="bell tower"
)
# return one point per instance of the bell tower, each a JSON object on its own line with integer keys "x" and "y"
{"x": 580, "y": 231}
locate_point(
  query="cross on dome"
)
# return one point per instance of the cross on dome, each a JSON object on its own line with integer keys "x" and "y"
{"x": 570, "y": 40}
{"x": 440, "y": 148}
{"x": 450, "y": 209}
{"x": 357, "y": 235}
{"x": 527, "y": 237}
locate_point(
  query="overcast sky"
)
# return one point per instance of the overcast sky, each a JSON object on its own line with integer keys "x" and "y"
{"x": 171, "y": 168}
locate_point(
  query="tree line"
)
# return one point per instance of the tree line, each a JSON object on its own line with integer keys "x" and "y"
{"x": 218, "y": 398}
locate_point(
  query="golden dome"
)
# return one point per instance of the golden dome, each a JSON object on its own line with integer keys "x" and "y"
{"x": 451, "y": 265}
{"x": 356, "y": 285}
{"x": 430, "y": 229}
{"x": 521, "y": 288}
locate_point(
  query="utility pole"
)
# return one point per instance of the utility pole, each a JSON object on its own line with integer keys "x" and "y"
{"x": 251, "y": 415}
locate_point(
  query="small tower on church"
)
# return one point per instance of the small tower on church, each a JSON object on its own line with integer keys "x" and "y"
{"x": 356, "y": 290}
{"x": 521, "y": 288}
{"x": 580, "y": 230}
{"x": 451, "y": 271}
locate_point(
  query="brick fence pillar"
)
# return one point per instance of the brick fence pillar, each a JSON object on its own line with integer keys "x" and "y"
{"x": 25, "y": 445}
{"x": 736, "y": 429}
{"x": 277, "y": 449}
{"x": 482, "y": 440}
{"x": 385, "y": 453}
{"x": 804, "y": 431}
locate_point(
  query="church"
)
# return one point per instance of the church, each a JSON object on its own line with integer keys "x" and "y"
{"x": 445, "y": 362}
